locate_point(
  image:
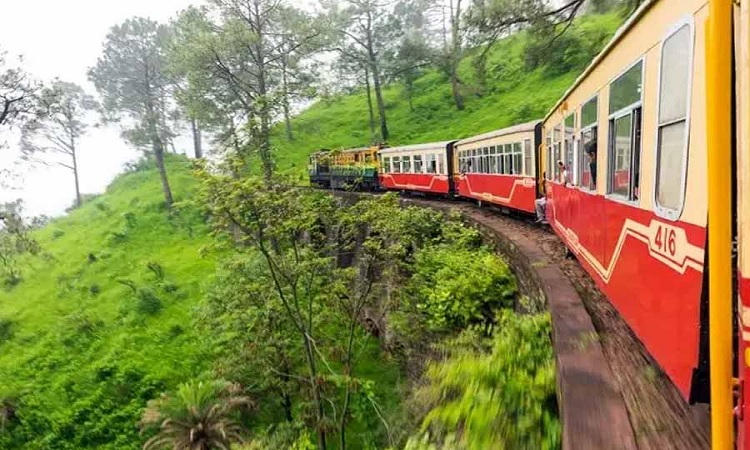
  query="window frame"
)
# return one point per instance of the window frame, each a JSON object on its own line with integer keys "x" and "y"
{"x": 586, "y": 129}
{"x": 661, "y": 211}
{"x": 573, "y": 167}
{"x": 611, "y": 118}
{"x": 583, "y": 160}
{"x": 528, "y": 171}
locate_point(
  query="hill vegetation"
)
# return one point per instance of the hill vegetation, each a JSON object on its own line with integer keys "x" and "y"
{"x": 525, "y": 77}
{"x": 288, "y": 317}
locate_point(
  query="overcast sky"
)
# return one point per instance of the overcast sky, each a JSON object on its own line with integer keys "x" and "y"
{"x": 63, "y": 38}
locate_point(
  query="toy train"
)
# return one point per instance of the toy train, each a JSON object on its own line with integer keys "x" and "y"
{"x": 665, "y": 107}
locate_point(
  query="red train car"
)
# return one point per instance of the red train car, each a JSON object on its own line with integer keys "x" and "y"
{"x": 422, "y": 168}
{"x": 636, "y": 217}
{"x": 500, "y": 167}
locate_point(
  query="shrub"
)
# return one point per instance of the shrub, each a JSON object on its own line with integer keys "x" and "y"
{"x": 148, "y": 303}
{"x": 454, "y": 288}
{"x": 130, "y": 218}
{"x": 502, "y": 399}
{"x": 6, "y": 330}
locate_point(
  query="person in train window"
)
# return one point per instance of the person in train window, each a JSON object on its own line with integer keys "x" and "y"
{"x": 563, "y": 173}
{"x": 591, "y": 151}
{"x": 540, "y": 204}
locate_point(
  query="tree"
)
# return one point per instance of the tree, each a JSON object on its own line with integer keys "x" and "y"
{"x": 15, "y": 241}
{"x": 201, "y": 416}
{"x": 365, "y": 35}
{"x": 52, "y": 136}
{"x": 16, "y": 92}
{"x": 350, "y": 63}
{"x": 238, "y": 57}
{"x": 453, "y": 51}
{"x": 130, "y": 76}
{"x": 411, "y": 56}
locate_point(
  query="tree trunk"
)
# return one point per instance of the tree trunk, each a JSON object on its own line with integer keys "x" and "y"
{"x": 265, "y": 119}
{"x": 455, "y": 54}
{"x": 376, "y": 79}
{"x": 319, "y": 412}
{"x": 158, "y": 148}
{"x": 79, "y": 201}
{"x": 159, "y": 157}
{"x": 456, "y": 87}
{"x": 410, "y": 94}
{"x": 197, "y": 138}
{"x": 370, "y": 109}
{"x": 285, "y": 102}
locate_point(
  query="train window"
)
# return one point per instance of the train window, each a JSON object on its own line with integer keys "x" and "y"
{"x": 528, "y": 155}
{"x": 625, "y": 133}
{"x": 517, "y": 159}
{"x": 590, "y": 112}
{"x": 406, "y": 164}
{"x": 587, "y": 167}
{"x": 508, "y": 159}
{"x": 387, "y": 164}
{"x": 626, "y": 89}
{"x": 674, "y": 95}
{"x": 417, "y": 163}
{"x": 396, "y": 164}
{"x": 549, "y": 156}
{"x": 625, "y": 140}
{"x": 441, "y": 164}
{"x": 569, "y": 157}
{"x": 430, "y": 163}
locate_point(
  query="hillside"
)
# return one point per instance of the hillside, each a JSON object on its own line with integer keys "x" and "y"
{"x": 515, "y": 92}
{"x": 79, "y": 343}
{"x": 105, "y": 319}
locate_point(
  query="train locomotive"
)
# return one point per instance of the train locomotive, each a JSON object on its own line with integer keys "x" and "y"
{"x": 643, "y": 162}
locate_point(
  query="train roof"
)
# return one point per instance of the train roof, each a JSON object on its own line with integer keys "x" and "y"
{"x": 621, "y": 32}
{"x": 415, "y": 147}
{"x": 528, "y": 126}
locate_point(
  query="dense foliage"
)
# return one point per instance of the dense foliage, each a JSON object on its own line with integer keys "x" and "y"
{"x": 501, "y": 398}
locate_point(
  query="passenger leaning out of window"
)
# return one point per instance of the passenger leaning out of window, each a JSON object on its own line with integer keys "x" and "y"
{"x": 540, "y": 204}
{"x": 591, "y": 151}
{"x": 564, "y": 177}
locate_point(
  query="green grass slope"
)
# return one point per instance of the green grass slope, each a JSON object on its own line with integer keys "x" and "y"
{"x": 83, "y": 351}
{"x": 512, "y": 95}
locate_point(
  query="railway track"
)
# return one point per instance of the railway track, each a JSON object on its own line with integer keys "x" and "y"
{"x": 630, "y": 403}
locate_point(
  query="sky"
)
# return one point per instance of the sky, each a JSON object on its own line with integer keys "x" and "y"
{"x": 63, "y": 38}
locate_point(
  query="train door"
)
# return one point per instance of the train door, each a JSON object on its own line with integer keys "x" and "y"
{"x": 742, "y": 127}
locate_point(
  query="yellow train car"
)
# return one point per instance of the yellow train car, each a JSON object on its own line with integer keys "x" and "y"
{"x": 647, "y": 158}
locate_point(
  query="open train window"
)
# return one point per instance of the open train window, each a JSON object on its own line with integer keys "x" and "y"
{"x": 417, "y": 163}
{"x": 550, "y": 163}
{"x": 387, "y": 164}
{"x": 625, "y": 133}
{"x": 406, "y": 164}
{"x": 589, "y": 126}
{"x": 673, "y": 122}
{"x": 528, "y": 158}
{"x": 556, "y": 152}
{"x": 517, "y": 159}
{"x": 396, "y": 164}
{"x": 430, "y": 163}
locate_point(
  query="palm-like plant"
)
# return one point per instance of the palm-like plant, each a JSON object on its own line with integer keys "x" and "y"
{"x": 201, "y": 416}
